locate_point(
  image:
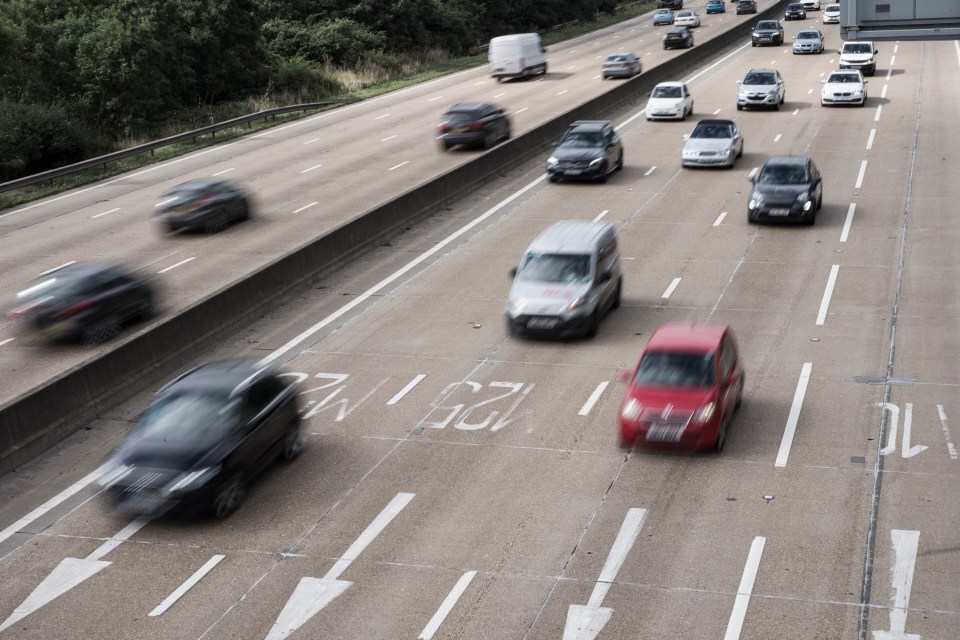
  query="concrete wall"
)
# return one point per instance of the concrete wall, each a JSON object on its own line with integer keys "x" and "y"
{"x": 35, "y": 421}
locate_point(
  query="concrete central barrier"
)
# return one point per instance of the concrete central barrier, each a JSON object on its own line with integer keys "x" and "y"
{"x": 42, "y": 417}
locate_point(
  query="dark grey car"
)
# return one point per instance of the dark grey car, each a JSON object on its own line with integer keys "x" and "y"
{"x": 480, "y": 124}
{"x": 786, "y": 188}
{"x": 767, "y": 32}
{"x": 205, "y": 205}
{"x": 590, "y": 149}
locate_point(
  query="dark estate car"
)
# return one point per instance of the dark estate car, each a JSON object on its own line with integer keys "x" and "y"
{"x": 787, "y": 187}
{"x": 89, "y": 302}
{"x": 795, "y": 11}
{"x": 473, "y": 123}
{"x": 203, "y": 439}
{"x": 767, "y": 32}
{"x": 678, "y": 37}
{"x": 208, "y": 205}
{"x": 589, "y": 149}
{"x": 746, "y": 6}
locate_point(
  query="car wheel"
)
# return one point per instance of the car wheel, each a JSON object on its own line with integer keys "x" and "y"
{"x": 543, "y": 71}
{"x": 293, "y": 443}
{"x": 102, "y": 331}
{"x": 215, "y": 225}
{"x": 552, "y": 178}
{"x": 245, "y": 210}
{"x": 616, "y": 294}
{"x": 146, "y": 309}
{"x": 489, "y": 140}
{"x": 721, "y": 437}
{"x": 739, "y": 107}
{"x": 753, "y": 44}
{"x": 740, "y": 153}
{"x": 740, "y": 393}
{"x": 594, "y": 324}
{"x": 820, "y": 202}
{"x": 229, "y": 497}
{"x": 602, "y": 178}
{"x": 444, "y": 146}
{"x": 506, "y": 133}
{"x": 620, "y": 163}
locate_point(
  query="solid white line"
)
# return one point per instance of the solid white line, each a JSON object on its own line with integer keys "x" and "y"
{"x": 951, "y": 448}
{"x": 742, "y": 601}
{"x": 673, "y": 285}
{"x": 719, "y": 219}
{"x": 55, "y": 501}
{"x": 446, "y": 606}
{"x": 122, "y": 536}
{"x": 434, "y": 98}
{"x": 592, "y": 400}
{"x": 602, "y": 213}
{"x": 220, "y": 173}
{"x": 777, "y": 137}
{"x": 627, "y": 535}
{"x": 650, "y": 170}
{"x": 863, "y": 171}
{"x": 848, "y": 222}
{"x": 372, "y": 531}
{"x": 105, "y": 213}
{"x": 876, "y": 118}
{"x": 410, "y": 385}
{"x": 873, "y": 132}
{"x": 827, "y": 293}
{"x": 387, "y": 115}
{"x": 389, "y": 138}
{"x": 3, "y": 342}
{"x": 174, "y": 266}
{"x": 956, "y": 45}
{"x": 311, "y": 141}
{"x": 397, "y": 166}
{"x": 883, "y": 92}
{"x": 305, "y": 207}
{"x": 316, "y": 166}
{"x": 171, "y": 599}
{"x": 794, "y": 416}
{"x": 65, "y": 264}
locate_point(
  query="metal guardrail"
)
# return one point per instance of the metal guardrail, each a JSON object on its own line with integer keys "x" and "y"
{"x": 86, "y": 165}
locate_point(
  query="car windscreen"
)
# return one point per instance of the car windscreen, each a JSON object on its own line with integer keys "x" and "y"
{"x": 857, "y": 48}
{"x": 782, "y": 174}
{"x": 808, "y": 35}
{"x": 189, "y": 416}
{"x": 582, "y": 139}
{"x": 759, "y": 78}
{"x": 183, "y": 194}
{"x": 558, "y": 268}
{"x": 665, "y": 92}
{"x": 768, "y": 26}
{"x": 675, "y": 369}
{"x": 712, "y": 131}
{"x": 843, "y": 77}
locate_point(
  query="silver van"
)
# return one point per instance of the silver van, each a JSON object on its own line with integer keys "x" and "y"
{"x": 568, "y": 279}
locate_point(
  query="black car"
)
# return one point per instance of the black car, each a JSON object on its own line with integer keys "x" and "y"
{"x": 87, "y": 302}
{"x": 207, "y": 205}
{"x": 589, "y": 149}
{"x": 787, "y": 187}
{"x": 669, "y": 4}
{"x": 767, "y": 32}
{"x": 678, "y": 37}
{"x": 203, "y": 439}
{"x": 795, "y": 11}
{"x": 474, "y": 124}
{"x": 746, "y": 6}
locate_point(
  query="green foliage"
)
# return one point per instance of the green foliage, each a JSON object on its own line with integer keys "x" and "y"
{"x": 33, "y": 139}
{"x": 304, "y": 81}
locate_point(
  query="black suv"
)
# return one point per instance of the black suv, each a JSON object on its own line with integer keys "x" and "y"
{"x": 589, "y": 149}
{"x": 787, "y": 187}
{"x": 767, "y": 32}
{"x": 473, "y": 123}
{"x": 203, "y": 438}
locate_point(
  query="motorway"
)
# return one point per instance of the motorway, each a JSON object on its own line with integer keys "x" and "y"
{"x": 459, "y": 483}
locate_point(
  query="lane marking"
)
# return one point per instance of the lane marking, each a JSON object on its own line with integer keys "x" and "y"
{"x": 873, "y": 132}
{"x": 796, "y": 111}
{"x": 178, "y": 593}
{"x": 956, "y": 45}
{"x": 719, "y": 219}
{"x": 311, "y": 141}
{"x": 389, "y": 138}
{"x": 905, "y": 545}
{"x": 446, "y": 606}
{"x": 397, "y": 166}
{"x": 121, "y": 536}
{"x": 650, "y": 170}
{"x": 387, "y": 115}
{"x": 892, "y": 59}
{"x": 883, "y": 92}
{"x": 602, "y": 213}
{"x": 863, "y": 171}
{"x": 716, "y": 111}
{"x": 105, "y": 213}
{"x": 951, "y": 448}
{"x": 3, "y": 342}
{"x": 434, "y": 98}
{"x": 563, "y": 92}
{"x": 906, "y": 451}
{"x": 848, "y": 222}
{"x": 894, "y": 411}
{"x": 595, "y": 77}
{"x": 503, "y": 93}
{"x": 745, "y": 590}
{"x": 305, "y": 207}
{"x": 592, "y": 400}
{"x": 791, "y": 426}
{"x": 673, "y": 285}
{"x": 753, "y": 172}
{"x": 896, "y": 48}
{"x": 571, "y": 68}
{"x": 477, "y": 84}
{"x": 827, "y": 294}
{"x": 374, "y": 529}
{"x": 520, "y": 110}
{"x": 65, "y": 264}
{"x": 220, "y": 173}
{"x": 777, "y": 137}
{"x": 809, "y": 91}
{"x": 316, "y": 166}
{"x": 174, "y": 266}
{"x": 407, "y": 389}
{"x": 889, "y": 72}
{"x": 876, "y": 118}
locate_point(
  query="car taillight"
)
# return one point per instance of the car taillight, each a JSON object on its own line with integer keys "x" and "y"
{"x": 202, "y": 202}
{"x": 476, "y": 126}
{"x": 73, "y": 310}
{"x": 442, "y": 127}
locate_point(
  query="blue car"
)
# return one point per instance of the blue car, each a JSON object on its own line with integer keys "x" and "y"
{"x": 716, "y": 6}
{"x": 662, "y": 16}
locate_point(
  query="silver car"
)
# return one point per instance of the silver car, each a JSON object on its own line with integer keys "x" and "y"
{"x": 808, "y": 42}
{"x": 761, "y": 88}
{"x": 621, "y": 65}
{"x": 713, "y": 143}
{"x": 831, "y": 14}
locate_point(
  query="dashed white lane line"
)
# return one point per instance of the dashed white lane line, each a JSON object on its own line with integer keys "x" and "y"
{"x": 777, "y": 137}
{"x": 848, "y": 222}
{"x": 477, "y": 84}
{"x": 65, "y": 264}
{"x": 316, "y": 166}
{"x": 571, "y": 67}
{"x": 174, "y": 266}
{"x": 873, "y": 132}
{"x": 592, "y": 400}
{"x": 311, "y": 141}
{"x": 650, "y": 170}
{"x": 388, "y": 138}
{"x": 105, "y": 213}
{"x": 796, "y": 111}
{"x": 447, "y": 605}
{"x": 827, "y": 294}
{"x": 889, "y": 72}
{"x": 791, "y": 427}
{"x": 719, "y": 219}
{"x": 745, "y": 590}
{"x": 501, "y": 94}
{"x": 876, "y": 118}
{"x": 387, "y": 115}
{"x": 863, "y": 172}
{"x": 951, "y": 448}
{"x": 717, "y": 111}
{"x": 305, "y": 207}
{"x": 220, "y": 173}
{"x": 407, "y": 389}
{"x": 809, "y": 91}
{"x": 198, "y": 575}
{"x": 892, "y": 60}
{"x": 562, "y": 92}
{"x": 601, "y": 214}
{"x": 434, "y": 98}
{"x": 521, "y": 110}
{"x": 883, "y": 92}
{"x": 595, "y": 77}
{"x": 896, "y": 48}
{"x": 753, "y": 172}
{"x": 3, "y": 342}
{"x": 671, "y": 288}
{"x": 397, "y": 166}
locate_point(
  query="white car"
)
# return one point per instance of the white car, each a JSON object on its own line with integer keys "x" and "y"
{"x": 669, "y": 100}
{"x": 845, "y": 86}
{"x": 687, "y": 19}
{"x": 811, "y": 5}
{"x": 831, "y": 13}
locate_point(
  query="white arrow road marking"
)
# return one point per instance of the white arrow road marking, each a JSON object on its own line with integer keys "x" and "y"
{"x": 313, "y": 594}
{"x": 69, "y": 573}
{"x": 905, "y": 545}
{"x": 906, "y": 450}
{"x": 170, "y": 600}
{"x": 892, "y": 431}
{"x": 739, "y": 613}
{"x": 586, "y": 622}
{"x": 446, "y": 606}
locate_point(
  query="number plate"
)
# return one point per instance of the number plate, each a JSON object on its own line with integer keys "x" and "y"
{"x": 778, "y": 212}
{"x": 665, "y": 432}
{"x": 573, "y": 172}
{"x": 541, "y": 323}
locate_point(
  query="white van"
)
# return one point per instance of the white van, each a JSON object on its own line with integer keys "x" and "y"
{"x": 517, "y": 56}
{"x": 568, "y": 279}
{"x": 859, "y": 55}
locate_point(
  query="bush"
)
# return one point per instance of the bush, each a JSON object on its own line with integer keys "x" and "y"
{"x": 35, "y": 138}
{"x": 304, "y": 80}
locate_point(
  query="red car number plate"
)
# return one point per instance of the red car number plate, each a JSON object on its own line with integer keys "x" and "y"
{"x": 665, "y": 432}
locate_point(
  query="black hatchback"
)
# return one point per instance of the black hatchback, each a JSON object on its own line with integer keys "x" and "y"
{"x": 795, "y": 11}
{"x": 87, "y": 302}
{"x": 201, "y": 441}
{"x": 206, "y": 205}
{"x": 678, "y": 37}
{"x": 786, "y": 188}
{"x": 473, "y": 124}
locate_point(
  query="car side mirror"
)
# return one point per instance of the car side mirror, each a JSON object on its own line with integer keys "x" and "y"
{"x": 823, "y": 82}
{"x": 866, "y": 82}
{"x": 686, "y": 136}
{"x": 839, "y": 51}
{"x": 513, "y": 272}
{"x": 752, "y": 180}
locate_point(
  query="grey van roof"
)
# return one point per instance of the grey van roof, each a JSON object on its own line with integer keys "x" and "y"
{"x": 571, "y": 236}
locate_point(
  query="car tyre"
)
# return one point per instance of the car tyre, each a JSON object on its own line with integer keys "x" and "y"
{"x": 552, "y": 178}
{"x": 739, "y": 107}
{"x": 293, "y": 444}
{"x": 602, "y": 178}
{"x": 147, "y": 308}
{"x": 489, "y": 140}
{"x": 721, "y": 437}
{"x": 102, "y": 331}
{"x": 740, "y": 393}
{"x": 594, "y": 324}
{"x": 620, "y": 163}
{"x": 229, "y": 497}
{"x": 617, "y": 294}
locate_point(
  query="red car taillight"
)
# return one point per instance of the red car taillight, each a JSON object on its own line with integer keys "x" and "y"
{"x": 202, "y": 202}
{"x": 73, "y": 310}
{"x": 476, "y": 126}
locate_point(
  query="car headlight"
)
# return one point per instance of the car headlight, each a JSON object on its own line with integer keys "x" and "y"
{"x": 631, "y": 410}
{"x": 756, "y": 35}
{"x": 552, "y": 161}
{"x": 741, "y": 93}
{"x": 756, "y": 200}
{"x": 515, "y": 308}
{"x": 705, "y": 412}
{"x": 596, "y": 161}
{"x": 772, "y": 92}
{"x": 194, "y": 479}
{"x": 689, "y": 154}
{"x": 576, "y": 302}
{"x": 858, "y": 92}
{"x": 113, "y": 475}
{"x": 725, "y": 152}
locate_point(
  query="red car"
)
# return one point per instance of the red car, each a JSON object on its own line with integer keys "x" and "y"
{"x": 687, "y": 384}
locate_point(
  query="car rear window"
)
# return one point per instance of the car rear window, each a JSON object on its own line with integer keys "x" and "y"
{"x": 53, "y": 286}
{"x": 560, "y": 268}
{"x": 676, "y": 369}
{"x": 461, "y": 117}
